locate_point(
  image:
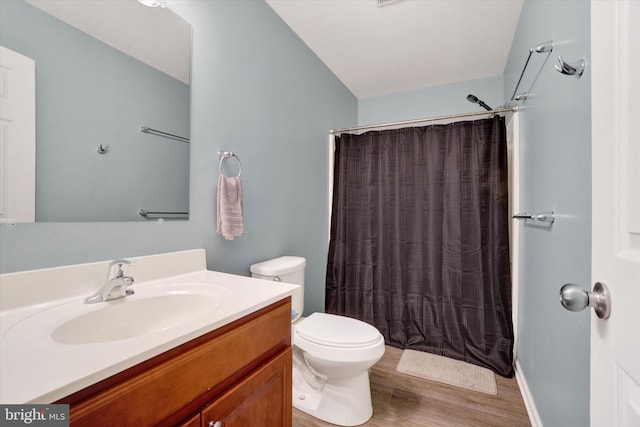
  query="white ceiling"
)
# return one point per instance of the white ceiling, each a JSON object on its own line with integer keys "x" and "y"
{"x": 405, "y": 45}
{"x": 156, "y": 36}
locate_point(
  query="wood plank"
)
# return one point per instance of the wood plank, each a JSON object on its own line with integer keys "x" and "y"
{"x": 408, "y": 401}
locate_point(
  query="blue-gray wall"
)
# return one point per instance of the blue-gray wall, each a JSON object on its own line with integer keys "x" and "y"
{"x": 256, "y": 90}
{"x": 89, "y": 94}
{"x": 555, "y": 142}
{"x": 432, "y": 101}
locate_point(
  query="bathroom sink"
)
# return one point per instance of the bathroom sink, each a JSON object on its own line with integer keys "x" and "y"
{"x": 132, "y": 318}
{"x": 149, "y": 310}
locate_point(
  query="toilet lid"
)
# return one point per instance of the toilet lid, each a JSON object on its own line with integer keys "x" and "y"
{"x": 337, "y": 331}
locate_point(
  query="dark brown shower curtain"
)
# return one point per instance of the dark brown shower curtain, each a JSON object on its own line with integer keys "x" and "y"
{"x": 419, "y": 242}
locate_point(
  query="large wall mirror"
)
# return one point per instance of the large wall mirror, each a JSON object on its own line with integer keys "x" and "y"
{"x": 104, "y": 70}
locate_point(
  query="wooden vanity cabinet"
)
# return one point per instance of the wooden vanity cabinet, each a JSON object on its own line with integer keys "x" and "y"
{"x": 259, "y": 400}
{"x": 239, "y": 374}
{"x": 193, "y": 421}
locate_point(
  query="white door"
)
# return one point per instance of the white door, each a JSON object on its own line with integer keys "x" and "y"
{"x": 615, "y": 342}
{"x": 17, "y": 137}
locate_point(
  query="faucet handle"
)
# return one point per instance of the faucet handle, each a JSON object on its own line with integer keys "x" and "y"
{"x": 117, "y": 265}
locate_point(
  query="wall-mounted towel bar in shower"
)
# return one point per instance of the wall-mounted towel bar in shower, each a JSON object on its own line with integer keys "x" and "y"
{"x": 145, "y": 129}
{"x": 549, "y": 217}
{"x": 145, "y": 213}
{"x": 542, "y": 47}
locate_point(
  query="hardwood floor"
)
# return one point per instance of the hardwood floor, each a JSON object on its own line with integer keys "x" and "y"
{"x": 406, "y": 401}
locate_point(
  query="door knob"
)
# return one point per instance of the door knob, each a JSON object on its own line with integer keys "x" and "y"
{"x": 574, "y": 298}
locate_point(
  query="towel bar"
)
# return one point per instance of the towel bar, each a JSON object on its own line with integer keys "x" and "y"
{"x": 145, "y": 213}
{"x": 146, "y": 129}
{"x": 549, "y": 217}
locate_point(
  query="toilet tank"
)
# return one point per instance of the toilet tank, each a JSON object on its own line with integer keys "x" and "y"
{"x": 287, "y": 269}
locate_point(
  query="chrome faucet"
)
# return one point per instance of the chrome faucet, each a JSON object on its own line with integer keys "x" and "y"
{"x": 116, "y": 285}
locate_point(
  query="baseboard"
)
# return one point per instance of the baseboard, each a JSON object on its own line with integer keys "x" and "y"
{"x": 527, "y": 397}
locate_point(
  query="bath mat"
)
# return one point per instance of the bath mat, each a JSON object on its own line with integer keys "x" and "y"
{"x": 448, "y": 371}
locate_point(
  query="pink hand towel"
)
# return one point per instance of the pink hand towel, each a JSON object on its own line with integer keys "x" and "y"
{"x": 229, "y": 207}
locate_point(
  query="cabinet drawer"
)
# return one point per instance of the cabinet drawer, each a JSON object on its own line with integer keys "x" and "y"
{"x": 263, "y": 399}
{"x": 157, "y": 393}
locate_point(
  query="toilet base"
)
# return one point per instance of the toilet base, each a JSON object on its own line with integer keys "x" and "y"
{"x": 341, "y": 401}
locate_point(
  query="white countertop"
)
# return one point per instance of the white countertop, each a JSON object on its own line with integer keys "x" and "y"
{"x": 41, "y": 370}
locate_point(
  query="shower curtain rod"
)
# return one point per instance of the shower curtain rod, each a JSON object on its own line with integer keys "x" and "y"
{"x": 429, "y": 119}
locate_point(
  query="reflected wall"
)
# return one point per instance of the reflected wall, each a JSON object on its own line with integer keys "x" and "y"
{"x": 88, "y": 95}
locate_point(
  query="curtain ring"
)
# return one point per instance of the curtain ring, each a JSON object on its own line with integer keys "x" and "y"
{"x": 225, "y": 155}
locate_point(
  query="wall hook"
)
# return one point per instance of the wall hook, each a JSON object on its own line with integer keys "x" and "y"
{"x": 102, "y": 148}
{"x": 570, "y": 68}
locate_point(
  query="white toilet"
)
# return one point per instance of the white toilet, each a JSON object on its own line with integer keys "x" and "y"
{"x": 331, "y": 354}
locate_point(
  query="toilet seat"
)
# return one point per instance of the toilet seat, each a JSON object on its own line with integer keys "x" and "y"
{"x": 337, "y": 331}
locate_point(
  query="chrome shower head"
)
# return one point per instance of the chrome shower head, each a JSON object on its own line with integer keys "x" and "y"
{"x": 476, "y": 100}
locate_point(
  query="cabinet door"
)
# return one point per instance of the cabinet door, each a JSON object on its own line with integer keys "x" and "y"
{"x": 194, "y": 421}
{"x": 263, "y": 399}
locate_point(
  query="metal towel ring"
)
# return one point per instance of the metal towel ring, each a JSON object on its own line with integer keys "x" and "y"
{"x": 225, "y": 155}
